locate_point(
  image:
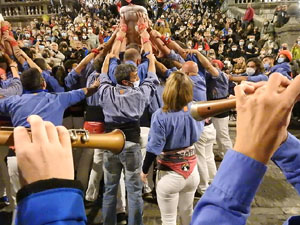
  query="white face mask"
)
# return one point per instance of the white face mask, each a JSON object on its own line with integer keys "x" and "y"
{"x": 250, "y": 46}
{"x": 234, "y": 49}
{"x": 242, "y": 43}
{"x": 280, "y": 60}
{"x": 136, "y": 83}
{"x": 250, "y": 71}
{"x": 298, "y": 42}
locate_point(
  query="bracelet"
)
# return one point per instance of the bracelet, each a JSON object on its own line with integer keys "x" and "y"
{"x": 95, "y": 51}
{"x": 120, "y": 39}
{"x": 124, "y": 28}
{"x": 166, "y": 40}
{"x": 4, "y": 28}
{"x": 14, "y": 43}
{"x": 145, "y": 40}
{"x": 142, "y": 27}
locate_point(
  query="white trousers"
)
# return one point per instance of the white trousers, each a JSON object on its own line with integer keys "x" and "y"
{"x": 13, "y": 172}
{"x": 148, "y": 187}
{"x": 96, "y": 174}
{"x": 174, "y": 191}
{"x": 5, "y": 187}
{"x": 205, "y": 157}
{"x": 223, "y": 139}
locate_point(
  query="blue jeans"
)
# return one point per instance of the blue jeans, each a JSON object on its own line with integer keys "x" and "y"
{"x": 130, "y": 159}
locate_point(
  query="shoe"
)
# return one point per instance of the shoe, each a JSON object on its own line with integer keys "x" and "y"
{"x": 121, "y": 219}
{"x": 218, "y": 158}
{"x": 198, "y": 195}
{"x": 148, "y": 196}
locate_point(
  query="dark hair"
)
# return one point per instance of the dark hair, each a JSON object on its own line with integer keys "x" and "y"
{"x": 133, "y": 45}
{"x": 98, "y": 63}
{"x": 28, "y": 52}
{"x": 31, "y": 79}
{"x": 123, "y": 72}
{"x": 68, "y": 64}
{"x": 41, "y": 63}
{"x": 59, "y": 73}
{"x": 259, "y": 65}
{"x": 136, "y": 2}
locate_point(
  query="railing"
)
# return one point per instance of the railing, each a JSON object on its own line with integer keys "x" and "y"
{"x": 24, "y": 11}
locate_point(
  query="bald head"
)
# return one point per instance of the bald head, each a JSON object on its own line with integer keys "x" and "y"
{"x": 190, "y": 67}
{"x": 132, "y": 54}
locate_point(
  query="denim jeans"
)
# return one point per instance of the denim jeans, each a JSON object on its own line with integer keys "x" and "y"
{"x": 130, "y": 159}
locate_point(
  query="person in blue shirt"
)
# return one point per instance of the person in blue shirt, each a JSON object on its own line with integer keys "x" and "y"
{"x": 123, "y": 105}
{"x": 254, "y": 72}
{"x": 172, "y": 134}
{"x": 230, "y": 195}
{"x": 282, "y": 66}
{"x": 37, "y": 101}
{"x": 228, "y": 198}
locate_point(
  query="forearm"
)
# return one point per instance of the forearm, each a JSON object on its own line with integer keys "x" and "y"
{"x": 145, "y": 39}
{"x": 238, "y": 79}
{"x": 150, "y": 157}
{"x": 207, "y": 65}
{"x": 90, "y": 91}
{"x": 84, "y": 62}
{"x": 230, "y": 195}
{"x": 14, "y": 71}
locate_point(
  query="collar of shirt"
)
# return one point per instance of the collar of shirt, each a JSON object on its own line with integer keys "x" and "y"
{"x": 35, "y": 91}
{"x": 131, "y": 62}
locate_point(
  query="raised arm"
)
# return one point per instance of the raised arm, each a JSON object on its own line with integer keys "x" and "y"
{"x": 206, "y": 63}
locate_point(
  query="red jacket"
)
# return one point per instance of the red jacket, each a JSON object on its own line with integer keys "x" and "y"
{"x": 249, "y": 14}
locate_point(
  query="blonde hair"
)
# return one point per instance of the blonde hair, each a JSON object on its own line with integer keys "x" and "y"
{"x": 178, "y": 92}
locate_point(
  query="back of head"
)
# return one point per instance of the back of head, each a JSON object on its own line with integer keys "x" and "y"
{"x": 59, "y": 73}
{"x": 178, "y": 92}
{"x": 123, "y": 72}
{"x": 132, "y": 55}
{"x": 31, "y": 79}
{"x": 190, "y": 67}
{"x": 41, "y": 63}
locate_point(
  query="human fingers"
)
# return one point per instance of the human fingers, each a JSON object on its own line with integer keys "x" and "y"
{"x": 276, "y": 82}
{"x": 21, "y": 139}
{"x": 39, "y": 134}
{"x": 64, "y": 137}
{"x": 51, "y": 132}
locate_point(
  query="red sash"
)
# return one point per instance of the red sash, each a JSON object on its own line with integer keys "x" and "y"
{"x": 182, "y": 161}
{"x": 94, "y": 127}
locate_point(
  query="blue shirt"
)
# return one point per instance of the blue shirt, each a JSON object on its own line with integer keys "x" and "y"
{"x": 14, "y": 87}
{"x": 49, "y": 106}
{"x": 217, "y": 87}
{"x": 283, "y": 68}
{"x": 175, "y": 56}
{"x": 172, "y": 130}
{"x": 142, "y": 68}
{"x": 257, "y": 78}
{"x": 52, "y": 83}
{"x": 123, "y": 104}
{"x": 94, "y": 99}
{"x": 230, "y": 195}
{"x": 194, "y": 58}
{"x": 75, "y": 81}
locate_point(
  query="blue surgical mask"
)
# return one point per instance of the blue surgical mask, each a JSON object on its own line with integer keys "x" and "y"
{"x": 267, "y": 66}
{"x": 280, "y": 60}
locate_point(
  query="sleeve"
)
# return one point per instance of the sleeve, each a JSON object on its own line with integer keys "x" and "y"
{"x": 230, "y": 195}
{"x": 148, "y": 87}
{"x": 14, "y": 88}
{"x": 61, "y": 199}
{"x": 257, "y": 78}
{"x": 170, "y": 71}
{"x": 174, "y": 56}
{"x": 52, "y": 82}
{"x": 113, "y": 63}
{"x": 70, "y": 98}
{"x": 25, "y": 66}
{"x": 143, "y": 68}
{"x": 88, "y": 69}
{"x": 157, "y": 135}
{"x": 287, "y": 158}
{"x": 105, "y": 88}
{"x": 72, "y": 79}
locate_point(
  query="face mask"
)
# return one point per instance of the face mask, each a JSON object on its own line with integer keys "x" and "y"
{"x": 136, "y": 83}
{"x": 64, "y": 34}
{"x": 84, "y": 30}
{"x": 298, "y": 42}
{"x": 267, "y": 66}
{"x": 27, "y": 35}
{"x": 227, "y": 62}
{"x": 200, "y": 49}
{"x": 251, "y": 39}
{"x": 84, "y": 37}
{"x": 75, "y": 38}
{"x": 234, "y": 49}
{"x": 229, "y": 33}
{"x": 250, "y": 71}
{"x": 280, "y": 60}
{"x": 48, "y": 31}
{"x": 250, "y": 46}
{"x": 90, "y": 31}
{"x": 242, "y": 43}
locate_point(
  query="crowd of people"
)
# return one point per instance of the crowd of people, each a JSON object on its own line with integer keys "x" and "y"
{"x": 137, "y": 66}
